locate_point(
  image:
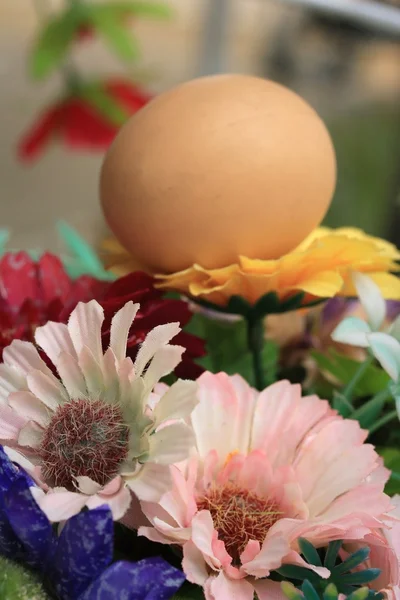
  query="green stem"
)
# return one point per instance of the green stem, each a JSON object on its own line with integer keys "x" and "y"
{"x": 255, "y": 341}
{"x": 379, "y": 398}
{"x": 348, "y": 390}
{"x": 381, "y": 422}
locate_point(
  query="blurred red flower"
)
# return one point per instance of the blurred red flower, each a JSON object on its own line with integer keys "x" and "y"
{"x": 32, "y": 293}
{"x": 78, "y": 124}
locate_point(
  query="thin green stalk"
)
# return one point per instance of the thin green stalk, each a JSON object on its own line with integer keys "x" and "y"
{"x": 255, "y": 341}
{"x": 382, "y": 421}
{"x": 348, "y": 390}
{"x": 379, "y": 398}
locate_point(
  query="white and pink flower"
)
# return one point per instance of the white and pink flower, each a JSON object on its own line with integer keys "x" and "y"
{"x": 86, "y": 425}
{"x": 268, "y": 468}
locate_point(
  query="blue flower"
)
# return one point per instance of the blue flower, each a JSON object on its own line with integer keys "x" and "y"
{"x": 76, "y": 565}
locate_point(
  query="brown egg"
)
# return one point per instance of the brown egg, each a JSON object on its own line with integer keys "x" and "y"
{"x": 215, "y": 168}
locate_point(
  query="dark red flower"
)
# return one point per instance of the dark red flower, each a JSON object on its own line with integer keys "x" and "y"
{"x": 78, "y": 124}
{"x": 155, "y": 310}
{"x": 32, "y": 293}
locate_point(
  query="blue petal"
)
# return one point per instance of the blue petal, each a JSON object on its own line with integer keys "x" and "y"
{"x": 84, "y": 550}
{"x": 9, "y": 472}
{"x": 148, "y": 579}
{"x": 29, "y": 523}
{"x": 10, "y": 546}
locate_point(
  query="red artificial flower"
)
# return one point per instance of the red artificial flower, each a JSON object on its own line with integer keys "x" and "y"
{"x": 79, "y": 124}
{"x": 32, "y": 293}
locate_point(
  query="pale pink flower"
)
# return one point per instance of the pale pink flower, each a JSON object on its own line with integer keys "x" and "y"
{"x": 268, "y": 468}
{"x": 88, "y": 435}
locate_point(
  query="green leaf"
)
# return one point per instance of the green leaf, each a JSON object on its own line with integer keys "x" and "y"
{"x": 330, "y": 592}
{"x": 109, "y": 24}
{"x": 344, "y": 368}
{"x": 309, "y": 591}
{"x": 360, "y": 577}
{"x": 141, "y": 9}
{"x": 17, "y": 583}
{"x": 391, "y": 458}
{"x": 309, "y": 552}
{"x": 352, "y": 561}
{"x": 291, "y": 591}
{"x": 332, "y": 553}
{"x": 341, "y": 404}
{"x": 53, "y": 42}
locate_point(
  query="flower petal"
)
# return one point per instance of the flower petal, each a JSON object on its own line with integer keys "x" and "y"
{"x": 28, "y": 406}
{"x": 171, "y": 444}
{"x": 352, "y": 331}
{"x": 271, "y": 555}
{"x": 177, "y": 403}
{"x": 54, "y": 339}
{"x": 155, "y": 339}
{"x": 163, "y": 363}
{"x": 118, "y": 503}
{"x": 371, "y": 300}
{"x": 268, "y": 590}
{"x": 224, "y": 588}
{"x": 92, "y": 372}
{"x": 120, "y": 326}
{"x": 59, "y": 506}
{"x": 71, "y": 376}
{"x": 84, "y": 327}
{"x": 10, "y": 381}
{"x": 24, "y": 357}
{"x": 386, "y": 349}
{"x": 193, "y": 564}
{"x": 30, "y": 435}
{"x": 151, "y": 482}
{"x": 47, "y": 388}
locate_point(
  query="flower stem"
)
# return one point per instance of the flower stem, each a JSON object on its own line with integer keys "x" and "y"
{"x": 381, "y": 422}
{"x": 358, "y": 375}
{"x": 255, "y": 341}
{"x": 377, "y": 400}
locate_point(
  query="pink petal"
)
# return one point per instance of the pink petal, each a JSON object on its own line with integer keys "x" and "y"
{"x": 59, "y": 506}
{"x": 87, "y": 486}
{"x": 84, "y": 327}
{"x": 11, "y": 423}
{"x": 47, "y": 388}
{"x": 10, "y": 381}
{"x": 203, "y": 534}
{"x": 24, "y": 357}
{"x": 118, "y": 503}
{"x": 224, "y": 588}
{"x": 54, "y": 339}
{"x": 250, "y": 552}
{"x": 268, "y": 590}
{"x": 293, "y": 558}
{"x": 30, "y": 408}
{"x": 71, "y": 376}
{"x": 223, "y": 418}
{"x": 193, "y": 564}
{"x": 271, "y": 555}
{"x": 120, "y": 326}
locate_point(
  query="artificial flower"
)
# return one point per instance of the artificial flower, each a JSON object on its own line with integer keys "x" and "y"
{"x": 268, "y": 468}
{"x": 90, "y": 435}
{"x": 77, "y": 122}
{"x": 34, "y": 292}
{"x": 75, "y": 565}
{"x": 155, "y": 309}
{"x": 320, "y": 267}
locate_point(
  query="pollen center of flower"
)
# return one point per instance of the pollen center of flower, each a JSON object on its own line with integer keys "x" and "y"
{"x": 84, "y": 437}
{"x": 239, "y": 516}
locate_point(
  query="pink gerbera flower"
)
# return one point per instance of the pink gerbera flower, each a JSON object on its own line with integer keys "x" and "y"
{"x": 268, "y": 468}
{"x": 85, "y": 429}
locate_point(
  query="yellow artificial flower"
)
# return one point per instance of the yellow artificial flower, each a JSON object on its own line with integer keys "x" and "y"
{"x": 320, "y": 267}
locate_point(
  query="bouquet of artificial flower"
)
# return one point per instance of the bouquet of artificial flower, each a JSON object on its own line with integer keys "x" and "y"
{"x": 136, "y": 465}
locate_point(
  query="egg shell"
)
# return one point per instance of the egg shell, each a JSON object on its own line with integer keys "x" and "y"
{"x": 216, "y": 168}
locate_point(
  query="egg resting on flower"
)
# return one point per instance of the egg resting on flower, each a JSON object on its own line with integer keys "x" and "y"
{"x": 268, "y": 468}
{"x": 87, "y": 434}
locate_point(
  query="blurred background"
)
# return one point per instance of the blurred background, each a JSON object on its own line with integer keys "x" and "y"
{"x": 345, "y": 63}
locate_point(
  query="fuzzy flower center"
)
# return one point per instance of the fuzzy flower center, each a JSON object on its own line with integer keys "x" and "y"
{"x": 84, "y": 437}
{"x": 239, "y": 515}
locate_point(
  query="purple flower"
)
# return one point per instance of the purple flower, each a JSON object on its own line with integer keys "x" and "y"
{"x": 75, "y": 565}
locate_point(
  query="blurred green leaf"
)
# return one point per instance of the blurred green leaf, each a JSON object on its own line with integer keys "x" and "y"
{"x": 18, "y": 583}
{"x": 52, "y": 44}
{"x": 344, "y": 368}
{"x": 341, "y": 404}
{"x": 141, "y": 9}
{"x": 108, "y": 22}
{"x": 391, "y": 458}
